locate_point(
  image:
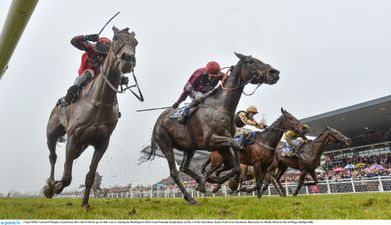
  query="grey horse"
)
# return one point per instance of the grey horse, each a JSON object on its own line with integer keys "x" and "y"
{"x": 91, "y": 120}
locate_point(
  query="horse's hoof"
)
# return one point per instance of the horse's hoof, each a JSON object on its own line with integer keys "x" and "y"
{"x": 48, "y": 191}
{"x": 233, "y": 184}
{"x": 201, "y": 188}
{"x": 192, "y": 202}
{"x": 57, "y": 186}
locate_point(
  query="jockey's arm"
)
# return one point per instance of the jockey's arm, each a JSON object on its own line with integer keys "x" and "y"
{"x": 80, "y": 43}
{"x": 243, "y": 117}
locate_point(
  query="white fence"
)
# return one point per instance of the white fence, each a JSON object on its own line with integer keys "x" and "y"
{"x": 375, "y": 184}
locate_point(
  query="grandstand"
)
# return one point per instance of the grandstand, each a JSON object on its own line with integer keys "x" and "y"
{"x": 368, "y": 124}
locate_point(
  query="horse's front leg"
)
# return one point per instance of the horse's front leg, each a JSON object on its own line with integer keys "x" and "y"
{"x": 260, "y": 175}
{"x": 185, "y": 168}
{"x": 90, "y": 177}
{"x": 301, "y": 181}
{"x": 314, "y": 177}
{"x": 73, "y": 151}
{"x": 221, "y": 142}
{"x": 277, "y": 178}
{"x": 54, "y": 131}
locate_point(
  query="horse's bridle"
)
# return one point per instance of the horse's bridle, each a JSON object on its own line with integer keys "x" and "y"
{"x": 256, "y": 73}
{"x": 139, "y": 96}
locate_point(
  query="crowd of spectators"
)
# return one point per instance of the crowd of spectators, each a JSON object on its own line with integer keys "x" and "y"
{"x": 337, "y": 170}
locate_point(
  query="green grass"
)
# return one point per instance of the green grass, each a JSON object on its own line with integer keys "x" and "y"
{"x": 342, "y": 206}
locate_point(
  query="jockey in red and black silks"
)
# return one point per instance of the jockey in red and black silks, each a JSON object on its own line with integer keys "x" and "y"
{"x": 91, "y": 60}
{"x": 199, "y": 86}
{"x": 93, "y": 55}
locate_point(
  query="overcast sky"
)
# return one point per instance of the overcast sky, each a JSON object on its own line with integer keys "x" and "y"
{"x": 331, "y": 54}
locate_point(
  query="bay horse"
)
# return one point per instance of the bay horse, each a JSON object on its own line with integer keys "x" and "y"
{"x": 90, "y": 120}
{"x": 211, "y": 126}
{"x": 259, "y": 154}
{"x": 310, "y": 159}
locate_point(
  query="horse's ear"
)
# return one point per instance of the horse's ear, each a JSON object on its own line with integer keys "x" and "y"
{"x": 116, "y": 30}
{"x": 132, "y": 34}
{"x": 240, "y": 56}
{"x": 328, "y": 128}
{"x": 283, "y": 110}
{"x": 126, "y": 29}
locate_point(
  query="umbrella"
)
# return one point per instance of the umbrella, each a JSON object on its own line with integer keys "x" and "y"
{"x": 368, "y": 170}
{"x": 349, "y": 166}
{"x": 360, "y": 165}
{"x": 339, "y": 169}
{"x": 376, "y": 167}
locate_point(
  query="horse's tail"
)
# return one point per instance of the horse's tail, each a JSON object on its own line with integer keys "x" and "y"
{"x": 148, "y": 155}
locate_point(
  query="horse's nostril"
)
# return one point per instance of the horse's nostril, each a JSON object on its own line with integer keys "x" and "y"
{"x": 123, "y": 56}
{"x": 127, "y": 57}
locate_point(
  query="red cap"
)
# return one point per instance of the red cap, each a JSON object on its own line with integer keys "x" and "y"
{"x": 213, "y": 67}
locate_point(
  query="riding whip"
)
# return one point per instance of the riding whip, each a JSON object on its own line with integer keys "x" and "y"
{"x": 151, "y": 109}
{"x": 108, "y": 23}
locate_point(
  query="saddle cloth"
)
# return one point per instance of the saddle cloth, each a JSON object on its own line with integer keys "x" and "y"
{"x": 177, "y": 113}
{"x": 248, "y": 139}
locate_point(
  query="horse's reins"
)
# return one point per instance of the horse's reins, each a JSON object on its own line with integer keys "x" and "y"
{"x": 273, "y": 128}
{"x": 241, "y": 85}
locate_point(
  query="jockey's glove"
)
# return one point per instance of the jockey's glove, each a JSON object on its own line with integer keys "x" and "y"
{"x": 91, "y": 37}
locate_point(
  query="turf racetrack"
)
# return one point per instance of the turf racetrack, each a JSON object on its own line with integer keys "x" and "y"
{"x": 337, "y": 206}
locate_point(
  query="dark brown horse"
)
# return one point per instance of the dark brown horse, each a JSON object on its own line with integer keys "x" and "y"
{"x": 307, "y": 163}
{"x": 92, "y": 118}
{"x": 211, "y": 126}
{"x": 260, "y": 154}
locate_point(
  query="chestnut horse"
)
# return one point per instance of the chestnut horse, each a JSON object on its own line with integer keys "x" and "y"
{"x": 92, "y": 118}
{"x": 307, "y": 163}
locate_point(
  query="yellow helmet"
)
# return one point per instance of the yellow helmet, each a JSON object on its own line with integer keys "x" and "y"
{"x": 252, "y": 109}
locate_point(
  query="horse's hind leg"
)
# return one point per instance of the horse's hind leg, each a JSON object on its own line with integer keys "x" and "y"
{"x": 203, "y": 170}
{"x": 90, "y": 177}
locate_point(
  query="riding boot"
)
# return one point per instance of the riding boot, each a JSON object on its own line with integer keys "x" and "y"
{"x": 185, "y": 113}
{"x": 241, "y": 140}
{"x": 74, "y": 90}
